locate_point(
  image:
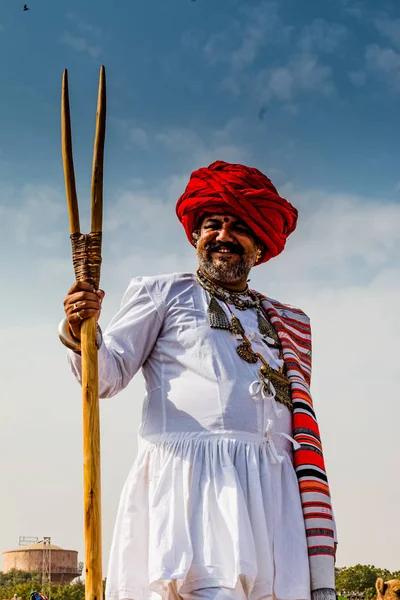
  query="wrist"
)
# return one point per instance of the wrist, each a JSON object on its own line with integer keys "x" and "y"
{"x": 74, "y": 334}
{"x": 69, "y": 340}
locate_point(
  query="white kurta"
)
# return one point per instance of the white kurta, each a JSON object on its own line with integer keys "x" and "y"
{"x": 212, "y": 495}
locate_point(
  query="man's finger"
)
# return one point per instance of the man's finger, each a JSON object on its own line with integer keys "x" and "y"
{"x": 80, "y": 305}
{"x": 82, "y": 315}
{"x": 80, "y": 297}
{"x": 81, "y": 286}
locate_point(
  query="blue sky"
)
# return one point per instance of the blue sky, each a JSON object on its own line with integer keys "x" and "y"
{"x": 186, "y": 83}
{"x": 198, "y": 65}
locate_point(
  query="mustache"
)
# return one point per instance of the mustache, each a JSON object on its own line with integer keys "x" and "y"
{"x": 216, "y": 247}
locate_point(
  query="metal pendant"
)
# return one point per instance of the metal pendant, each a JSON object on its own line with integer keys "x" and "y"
{"x": 270, "y": 342}
{"x": 246, "y": 353}
{"x": 281, "y": 385}
{"x": 236, "y": 326}
{"x": 266, "y": 328}
{"x": 217, "y": 316}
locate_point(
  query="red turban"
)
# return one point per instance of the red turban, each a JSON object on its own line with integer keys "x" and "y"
{"x": 245, "y": 192}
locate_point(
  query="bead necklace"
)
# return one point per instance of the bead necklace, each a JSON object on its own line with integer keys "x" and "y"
{"x": 241, "y": 301}
{"x": 219, "y": 320}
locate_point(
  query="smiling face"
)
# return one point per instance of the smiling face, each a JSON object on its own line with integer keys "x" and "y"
{"x": 226, "y": 249}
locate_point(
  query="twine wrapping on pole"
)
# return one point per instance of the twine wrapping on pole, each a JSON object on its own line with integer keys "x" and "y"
{"x": 86, "y": 256}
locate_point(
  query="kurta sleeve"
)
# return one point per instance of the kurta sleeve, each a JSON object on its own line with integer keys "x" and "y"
{"x": 129, "y": 338}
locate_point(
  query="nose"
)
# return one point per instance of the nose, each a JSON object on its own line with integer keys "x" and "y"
{"x": 225, "y": 233}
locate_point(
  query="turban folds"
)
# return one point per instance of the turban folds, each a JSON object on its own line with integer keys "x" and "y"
{"x": 244, "y": 192}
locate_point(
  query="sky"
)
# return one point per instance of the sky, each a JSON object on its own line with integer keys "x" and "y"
{"x": 308, "y": 93}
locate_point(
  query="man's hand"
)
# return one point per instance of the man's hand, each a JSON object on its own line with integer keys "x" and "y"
{"x": 82, "y": 302}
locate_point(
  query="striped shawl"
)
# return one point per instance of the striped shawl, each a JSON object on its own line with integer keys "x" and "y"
{"x": 294, "y": 331}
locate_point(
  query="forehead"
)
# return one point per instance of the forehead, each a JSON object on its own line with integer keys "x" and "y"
{"x": 223, "y": 218}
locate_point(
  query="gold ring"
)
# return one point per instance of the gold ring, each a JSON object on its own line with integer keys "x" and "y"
{"x": 79, "y": 315}
{"x": 75, "y": 306}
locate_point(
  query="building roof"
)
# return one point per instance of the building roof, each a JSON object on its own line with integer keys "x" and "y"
{"x": 37, "y": 546}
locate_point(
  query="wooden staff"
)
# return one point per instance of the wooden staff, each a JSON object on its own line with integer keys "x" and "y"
{"x": 86, "y": 253}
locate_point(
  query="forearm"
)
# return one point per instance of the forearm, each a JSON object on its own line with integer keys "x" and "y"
{"x": 127, "y": 341}
{"x": 111, "y": 373}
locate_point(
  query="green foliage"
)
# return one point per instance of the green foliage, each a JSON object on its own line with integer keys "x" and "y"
{"x": 370, "y": 593}
{"x": 68, "y": 592}
{"x": 21, "y": 589}
{"x": 361, "y": 579}
{"x": 23, "y": 583}
{"x": 357, "y": 579}
{"x": 15, "y": 576}
{"x": 18, "y": 582}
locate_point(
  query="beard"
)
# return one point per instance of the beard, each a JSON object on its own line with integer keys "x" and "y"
{"x": 223, "y": 269}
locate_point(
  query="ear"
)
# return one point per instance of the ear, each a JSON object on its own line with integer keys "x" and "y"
{"x": 195, "y": 236}
{"x": 260, "y": 250}
{"x": 380, "y": 586}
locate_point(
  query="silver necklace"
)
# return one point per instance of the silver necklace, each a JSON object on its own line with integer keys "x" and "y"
{"x": 240, "y": 300}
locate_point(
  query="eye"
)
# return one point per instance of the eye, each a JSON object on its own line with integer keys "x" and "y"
{"x": 241, "y": 229}
{"x": 212, "y": 225}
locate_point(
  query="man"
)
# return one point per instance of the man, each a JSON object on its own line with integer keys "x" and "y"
{"x": 228, "y": 497}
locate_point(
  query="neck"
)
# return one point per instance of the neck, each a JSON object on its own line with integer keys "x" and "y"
{"x": 235, "y": 286}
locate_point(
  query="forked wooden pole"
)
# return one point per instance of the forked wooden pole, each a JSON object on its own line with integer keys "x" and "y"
{"x": 98, "y": 156}
{"x": 67, "y": 158}
{"x": 90, "y": 387}
{"x": 90, "y": 395}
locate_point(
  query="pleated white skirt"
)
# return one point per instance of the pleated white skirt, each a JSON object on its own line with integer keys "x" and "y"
{"x": 205, "y": 509}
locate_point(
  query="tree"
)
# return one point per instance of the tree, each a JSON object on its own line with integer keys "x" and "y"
{"x": 18, "y": 582}
{"x": 15, "y": 576}
{"x": 75, "y": 591}
{"x": 360, "y": 579}
{"x": 23, "y": 583}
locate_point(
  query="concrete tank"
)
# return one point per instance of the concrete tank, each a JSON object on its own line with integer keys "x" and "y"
{"x": 64, "y": 563}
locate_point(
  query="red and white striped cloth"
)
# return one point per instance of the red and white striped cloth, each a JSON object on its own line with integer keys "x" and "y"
{"x": 294, "y": 331}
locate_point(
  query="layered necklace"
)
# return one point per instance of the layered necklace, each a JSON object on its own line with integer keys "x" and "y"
{"x": 218, "y": 319}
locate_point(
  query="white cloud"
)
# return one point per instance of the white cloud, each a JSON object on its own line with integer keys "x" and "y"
{"x": 179, "y": 140}
{"x": 322, "y": 36}
{"x": 384, "y": 59}
{"x": 348, "y": 231}
{"x": 384, "y": 62}
{"x": 304, "y": 74}
{"x": 201, "y": 150}
{"x": 357, "y": 78}
{"x": 263, "y": 26}
{"x": 240, "y": 44}
{"x": 298, "y": 71}
{"x": 219, "y": 47}
{"x": 139, "y": 138}
{"x": 354, "y": 8}
{"x": 84, "y": 27}
{"x": 81, "y": 44}
{"x": 31, "y": 214}
{"x": 389, "y": 28}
